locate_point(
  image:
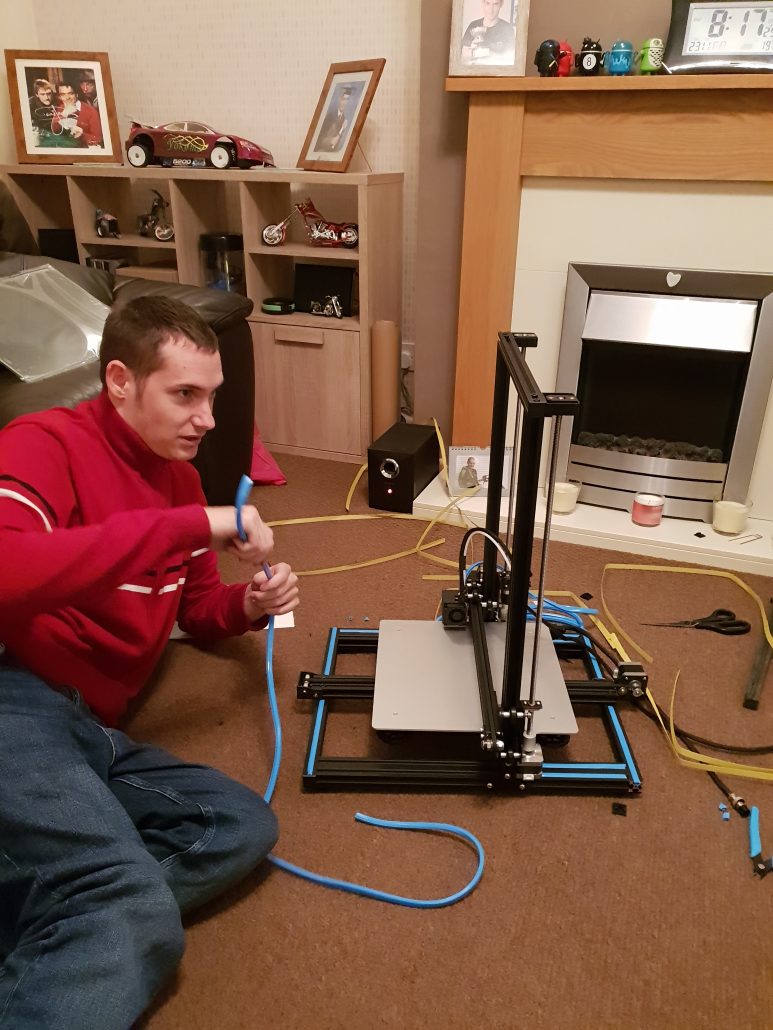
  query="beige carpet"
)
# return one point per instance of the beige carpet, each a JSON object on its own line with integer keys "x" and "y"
{"x": 583, "y": 919}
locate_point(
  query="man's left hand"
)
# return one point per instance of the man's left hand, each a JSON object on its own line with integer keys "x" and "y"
{"x": 274, "y": 596}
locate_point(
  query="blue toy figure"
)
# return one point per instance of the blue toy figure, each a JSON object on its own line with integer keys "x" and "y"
{"x": 619, "y": 58}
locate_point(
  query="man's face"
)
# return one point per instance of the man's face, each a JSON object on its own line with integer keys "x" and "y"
{"x": 87, "y": 88}
{"x": 66, "y": 95}
{"x": 491, "y": 9}
{"x": 44, "y": 94}
{"x": 172, "y": 408}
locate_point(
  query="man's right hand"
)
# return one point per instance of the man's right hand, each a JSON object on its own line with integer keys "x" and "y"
{"x": 259, "y": 540}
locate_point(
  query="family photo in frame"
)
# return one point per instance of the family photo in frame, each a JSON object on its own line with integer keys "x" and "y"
{"x": 488, "y": 37}
{"x": 340, "y": 115}
{"x": 62, "y": 106}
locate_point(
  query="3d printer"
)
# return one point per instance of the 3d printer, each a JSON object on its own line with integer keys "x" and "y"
{"x": 488, "y": 680}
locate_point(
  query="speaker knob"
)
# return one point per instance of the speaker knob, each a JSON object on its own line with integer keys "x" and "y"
{"x": 389, "y": 468}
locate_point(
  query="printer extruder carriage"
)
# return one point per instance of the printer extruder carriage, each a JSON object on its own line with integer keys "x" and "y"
{"x": 507, "y": 752}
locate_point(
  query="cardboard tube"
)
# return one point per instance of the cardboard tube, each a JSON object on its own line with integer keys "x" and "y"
{"x": 384, "y": 376}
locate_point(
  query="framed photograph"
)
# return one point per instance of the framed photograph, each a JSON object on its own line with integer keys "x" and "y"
{"x": 488, "y": 37}
{"x": 340, "y": 115}
{"x": 62, "y": 106}
{"x": 468, "y": 468}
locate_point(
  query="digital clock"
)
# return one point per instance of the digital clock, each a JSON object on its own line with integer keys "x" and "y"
{"x": 711, "y": 37}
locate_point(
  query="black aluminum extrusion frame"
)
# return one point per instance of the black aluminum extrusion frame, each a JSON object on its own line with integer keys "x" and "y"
{"x": 497, "y": 760}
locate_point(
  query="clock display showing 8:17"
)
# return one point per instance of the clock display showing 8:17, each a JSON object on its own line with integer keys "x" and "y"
{"x": 729, "y": 29}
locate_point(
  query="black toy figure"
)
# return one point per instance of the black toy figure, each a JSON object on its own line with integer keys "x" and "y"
{"x": 591, "y": 58}
{"x": 546, "y": 57}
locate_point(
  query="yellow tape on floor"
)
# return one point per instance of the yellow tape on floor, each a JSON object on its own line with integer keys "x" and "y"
{"x": 691, "y": 759}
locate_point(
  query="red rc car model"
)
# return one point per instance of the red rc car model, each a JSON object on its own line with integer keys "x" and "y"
{"x": 192, "y": 145}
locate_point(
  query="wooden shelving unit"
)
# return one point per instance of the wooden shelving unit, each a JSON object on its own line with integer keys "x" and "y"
{"x": 706, "y": 128}
{"x": 312, "y": 380}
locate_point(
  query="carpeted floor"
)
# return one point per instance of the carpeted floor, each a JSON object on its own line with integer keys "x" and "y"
{"x": 583, "y": 919}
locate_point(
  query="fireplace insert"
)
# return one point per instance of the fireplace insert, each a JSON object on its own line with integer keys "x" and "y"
{"x": 673, "y": 368}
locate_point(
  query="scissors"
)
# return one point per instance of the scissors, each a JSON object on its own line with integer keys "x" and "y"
{"x": 721, "y": 620}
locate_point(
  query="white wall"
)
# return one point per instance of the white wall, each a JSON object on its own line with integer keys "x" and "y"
{"x": 245, "y": 66}
{"x": 17, "y": 30}
{"x": 680, "y": 224}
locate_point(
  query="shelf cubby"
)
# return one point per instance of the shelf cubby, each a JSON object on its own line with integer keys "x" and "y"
{"x": 312, "y": 383}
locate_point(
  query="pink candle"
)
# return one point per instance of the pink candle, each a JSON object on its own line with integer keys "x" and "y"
{"x": 647, "y": 509}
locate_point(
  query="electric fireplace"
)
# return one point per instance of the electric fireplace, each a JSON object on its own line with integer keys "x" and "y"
{"x": 672, "y": 368}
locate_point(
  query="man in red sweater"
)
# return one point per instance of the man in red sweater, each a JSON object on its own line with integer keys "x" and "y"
{"x": 106, "y": 540}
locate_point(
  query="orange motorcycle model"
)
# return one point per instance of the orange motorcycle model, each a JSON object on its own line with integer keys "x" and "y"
{"x": 319, "y": 230}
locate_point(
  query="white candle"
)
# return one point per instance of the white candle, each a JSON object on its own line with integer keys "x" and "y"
{"x": 565, "y": 497}
{"x": 730, "y": 517}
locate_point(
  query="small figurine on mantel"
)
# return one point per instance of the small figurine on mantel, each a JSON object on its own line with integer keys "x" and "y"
{"x": 618, "y": 60}
{"x": 565, "y": 59}
{"x": 546, "y": 58}
{"x": 590, "y": 59}
{"x": 651, "y": 56}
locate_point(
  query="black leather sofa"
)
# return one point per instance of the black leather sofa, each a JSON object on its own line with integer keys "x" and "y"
{"x": 226, "y": 451}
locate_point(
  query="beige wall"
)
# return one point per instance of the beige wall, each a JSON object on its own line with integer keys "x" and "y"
{"x": 17, "y": 29}
{"x": 246, "y": 66}
{"x": 241, "y": 66}
{"x": 679, "y": 224}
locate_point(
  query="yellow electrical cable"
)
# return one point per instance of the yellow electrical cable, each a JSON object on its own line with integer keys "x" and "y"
{"x": 372, "y": 561}
{"x": 691, "y": 759}
{"x": 353, "y": 487}
{"x": 443, "y": 462}
{"x": 420, "y": 548}
{"x": 311, "y": 519}
{"x": 683, "y": 571}
{"x": 700, "y": 762}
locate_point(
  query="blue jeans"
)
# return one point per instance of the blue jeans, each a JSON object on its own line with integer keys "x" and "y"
{"x": 103, "y": 844}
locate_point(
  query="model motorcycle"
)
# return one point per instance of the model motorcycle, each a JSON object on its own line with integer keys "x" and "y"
{"x": 330, "y": 307}
{"x": 319, "y": 230}
{"x": 106, "y": 224}
{"x": 154, "y": 223}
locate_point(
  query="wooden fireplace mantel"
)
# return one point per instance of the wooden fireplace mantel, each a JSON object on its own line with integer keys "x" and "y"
{"x": 715, "y": 128}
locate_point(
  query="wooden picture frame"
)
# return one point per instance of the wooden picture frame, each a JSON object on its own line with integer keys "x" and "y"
{"x": 468, "y": 470}
{"x": 57, "y": 117}
{"x": 488, "y": 37}
{"x": 340, "y": 115}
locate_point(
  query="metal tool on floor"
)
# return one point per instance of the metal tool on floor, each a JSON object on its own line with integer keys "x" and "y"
{"x": 762, "y": 866}
{"x": 751, "y": 698}
{"x": 721, "y": 620}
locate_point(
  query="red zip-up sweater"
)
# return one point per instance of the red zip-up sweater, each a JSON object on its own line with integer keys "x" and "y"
{"x": 103, "y": 546}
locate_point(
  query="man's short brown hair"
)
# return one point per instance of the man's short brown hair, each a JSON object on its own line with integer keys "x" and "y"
{"x": 135, "y": 331}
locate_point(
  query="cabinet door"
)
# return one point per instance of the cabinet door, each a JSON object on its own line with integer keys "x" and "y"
{"x": 307, "y": 387}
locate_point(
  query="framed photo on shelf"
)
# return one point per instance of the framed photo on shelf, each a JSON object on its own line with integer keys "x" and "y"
{"x": 340, "y": 115}
{"x": 62, "y": 106}
{"x": 488, "y": 37}
{"x": 468, "y": 470}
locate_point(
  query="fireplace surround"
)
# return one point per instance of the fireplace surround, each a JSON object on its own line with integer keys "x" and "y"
{"x": 673, "y": 368}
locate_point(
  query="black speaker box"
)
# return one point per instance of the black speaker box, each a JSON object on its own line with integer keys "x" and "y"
{"x": 400, "y": 464}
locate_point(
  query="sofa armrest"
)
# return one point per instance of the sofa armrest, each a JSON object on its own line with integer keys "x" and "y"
{"x": 219, "y": 309}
